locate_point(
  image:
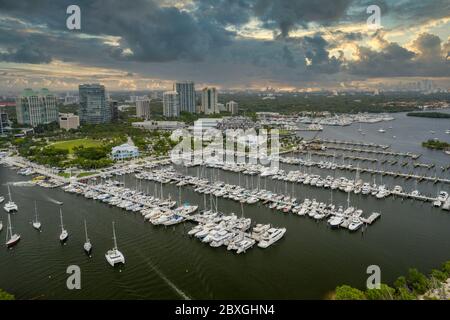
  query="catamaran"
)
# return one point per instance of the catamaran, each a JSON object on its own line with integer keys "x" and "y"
{"x": 87, "y": 245}
{"x": 64, "y": 234}
{"x": 36, "y": 222}
{"x": 10, "y": 206}
{"x": 114, "y": 256}
{"x": 11, "y": 239}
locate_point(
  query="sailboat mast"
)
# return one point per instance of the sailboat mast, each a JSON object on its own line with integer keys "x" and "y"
{"x": 9, "y": 227}
{"x": 85, "y": 231}
{"x": 35, "y": 211}
{"x": 114, "y": 236}
{"x": 9, "y": 194}
{"x": 60, "y": 214}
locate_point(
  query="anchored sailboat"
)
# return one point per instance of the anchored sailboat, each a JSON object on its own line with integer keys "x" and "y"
{"x": 87, "y": 245}
{"x": 10, "y": 206}
{"x": 11, "y": 239}
{"x": 36, "y": 222}
{"x": 64, "y": 234}
{"x": 114, "y": 256}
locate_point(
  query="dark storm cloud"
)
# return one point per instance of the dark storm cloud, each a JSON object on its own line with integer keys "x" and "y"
{"x": 152, "y": 33}
{"x": 225, "y": 12}
{"x": 26, "y": 54}
{"x": 195, "y": 43}
{"x": 393, "y": 60}
{"x": 288, "y": 58}
{"x": 316, "y": 51}
{"x": 287, "y": 14}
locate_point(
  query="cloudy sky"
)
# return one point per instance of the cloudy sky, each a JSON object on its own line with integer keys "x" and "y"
{"x": 235, "y": 44}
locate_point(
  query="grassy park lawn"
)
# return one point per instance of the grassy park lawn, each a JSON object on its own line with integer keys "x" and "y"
{"x": 70, "y": 144}
{"x": 86, "y": 174}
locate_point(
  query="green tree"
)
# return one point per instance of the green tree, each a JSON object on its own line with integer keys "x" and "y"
{"x": 346, "y": 292}
{"x": 439, "y": 275}
{"x": 383, "y": 293}
{"x": 446, "y": 268}
{"x": 405, "y": 294}
{"x": 5, "y": 295}
{"x": 400, "y": 283}
{"x": 417, "y": 281}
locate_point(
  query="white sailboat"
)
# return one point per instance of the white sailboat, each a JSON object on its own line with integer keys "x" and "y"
{"x": 36, "y": 222}
{"x": 114, "y": 256}
{"x": 64, "y": 234}
{"x": 11, "y": 239}
{"x": 10, "y": 206}
{"x": 87, "y": 245}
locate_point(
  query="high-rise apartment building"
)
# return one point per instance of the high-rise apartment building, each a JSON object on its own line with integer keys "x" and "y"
{"x": 186, "y": 92}
{"x": 4, "y": 122}
{"x": 93, "y": 106}
{"x": 36, "y": 107}
{"x": 171, "y": 104}
{"x": 232, "y": 107}
{"x": 143, "y": 108}
{"x": 209, "y": 101}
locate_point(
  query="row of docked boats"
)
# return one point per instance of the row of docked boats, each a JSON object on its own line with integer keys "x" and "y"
{"x": 216, "y": 228}
{"x": 356, "y": 185}
{"x": 233, "y": 233}
{"x": 350, "y": 217}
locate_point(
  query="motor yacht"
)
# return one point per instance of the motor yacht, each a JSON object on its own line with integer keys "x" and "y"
{"x": 355, "y": 224}
{"x": 271, "y": 236}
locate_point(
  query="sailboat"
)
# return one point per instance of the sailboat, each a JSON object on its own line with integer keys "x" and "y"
{"x": 10, "y": 206}
{"x": 64, "y": 234}
{"x": 114, "y": 256}
{"x": 1, "y": 225}
{"x": 11, "y": 239}
{"x": 87, "y": 245}
{"x": 36, "y": 222}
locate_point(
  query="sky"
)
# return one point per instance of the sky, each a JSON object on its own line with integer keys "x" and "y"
{"x": 302, "y": 45}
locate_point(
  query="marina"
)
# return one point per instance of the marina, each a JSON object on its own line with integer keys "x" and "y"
{"x": 182, "y": 229}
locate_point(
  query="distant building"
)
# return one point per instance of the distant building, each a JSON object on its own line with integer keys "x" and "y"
{"x": 232, "y": 107}
{"x": 159, "y": 125}
{"x": 114, "y": 106}
{"x": 186, "y": 92}
{"x": 171, "y": 104}
{"x": 124, "y": 151}
{"x": 124, "y": 107}
{"x": 221, "y": 107}
{"x": 207, "y": 123}
{"x": 36, "y": 107}
{"x": 93, "y": 106}
{"x": 70, "y": 99}
{"x": 69, "y": 121}
{"x": 209, "y": 101}
{"x": 4, "y": 122}
{"x": 143, "y": 108}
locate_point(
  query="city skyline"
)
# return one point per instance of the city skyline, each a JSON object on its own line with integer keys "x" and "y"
{"x": 249, "y": 44}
